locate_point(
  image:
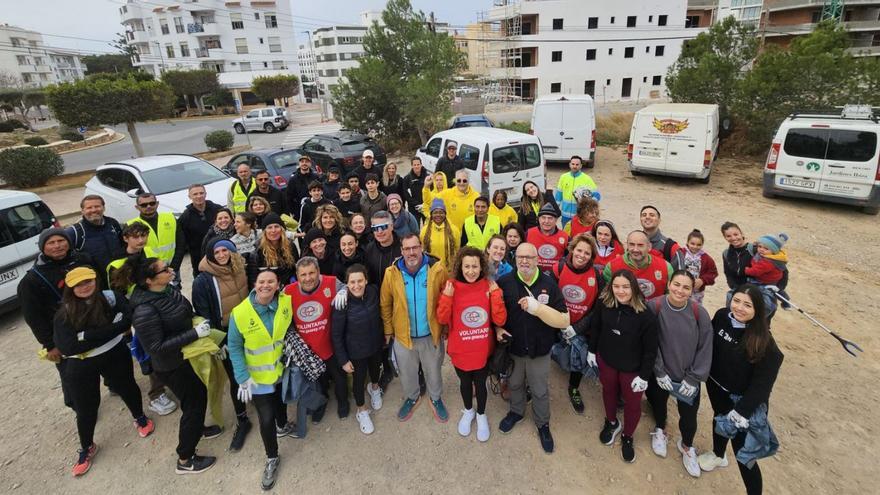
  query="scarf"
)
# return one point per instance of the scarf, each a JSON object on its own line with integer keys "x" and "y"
{"x": 297, "y": 352}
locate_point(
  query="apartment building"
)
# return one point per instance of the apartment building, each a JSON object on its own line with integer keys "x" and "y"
{"x": 704, "y": 13}
{"x": 337, "y": 50}
{"x": 27, "y": 62}
{"x": 66, "y": 64}
{"x": 612, "y": 50}
{"x": 787, "y": 19}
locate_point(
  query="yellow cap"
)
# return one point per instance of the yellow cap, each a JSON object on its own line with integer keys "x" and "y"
{"x": 79, "y": 274}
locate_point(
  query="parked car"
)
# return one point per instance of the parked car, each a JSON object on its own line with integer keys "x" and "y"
{"x": 280, "y": 163}
{"x": 166, "y": 176}
{"x": 262, "y": 119}
{"x": 831, "y": 158}
{"x": 494, "y": 158}
{"x": 471, "y": 121}
{"x": 22, "y": 217}
{"x": 343, "y": 148}
{"x": 677, "y": 139}
{"x": 566, "y": 126}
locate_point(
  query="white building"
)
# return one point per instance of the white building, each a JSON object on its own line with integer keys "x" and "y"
{"x": 25, "y": 61}
{"x": 614, "y": 51}
{"x": 745, "y": 11}
{"x": 66, "y": 64}
{"x": 337, "y": 49}
{"x": 238, "y": 39}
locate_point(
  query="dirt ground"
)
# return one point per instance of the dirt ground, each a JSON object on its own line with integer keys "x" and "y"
{"x": 821, "y": 407}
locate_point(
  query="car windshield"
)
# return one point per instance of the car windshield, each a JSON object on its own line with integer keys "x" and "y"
{"x": 285, "y": 159}
{"x": 471, "y": 123}
{"x": 179, "y": 176}
{"x": 356, "y": 145}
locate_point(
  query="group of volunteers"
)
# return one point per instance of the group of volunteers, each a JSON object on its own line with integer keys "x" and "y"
{"x": 295, "y": 290}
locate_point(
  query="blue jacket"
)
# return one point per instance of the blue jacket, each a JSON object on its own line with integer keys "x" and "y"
{"x": 416, "y": 289}
{"x": 760, "y": 440}
{"x": 102, "y": 242}
{"x": 235, "y": 344}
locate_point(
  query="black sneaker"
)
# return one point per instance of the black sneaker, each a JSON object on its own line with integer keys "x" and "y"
{"x": 195, "y": 465}
{"x": 241, "y": 432}
{"x": 270, "y": 474}
{"x": 546, "y": 439}
{"x": 609, "y": 432}
{"x": 577, "y": 403}
{"x": 212, "y": 431}
{"x": 318, "y": 415}
{"x": 626, "y": 448}
{"x": 509, "y": 422}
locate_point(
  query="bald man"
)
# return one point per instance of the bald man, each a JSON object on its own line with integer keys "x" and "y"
{"x": 652, "y": 271}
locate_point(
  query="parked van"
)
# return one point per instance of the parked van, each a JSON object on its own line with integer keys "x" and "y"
{"x": 496, "y": 159}
{"x": 831, "y": 158}
{"x": 22, "y": 217}
{"x": 566, "y": 126}
{"x": 677, "y": 139}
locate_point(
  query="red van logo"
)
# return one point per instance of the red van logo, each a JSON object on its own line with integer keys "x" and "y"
{"x": 670, "y": 126}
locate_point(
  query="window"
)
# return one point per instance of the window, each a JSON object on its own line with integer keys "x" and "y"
{"x": 661, "y": 20}
{"x": 256, "y": 16}
{"x": 851, "y": 146}
{"x": 184, "y": 50}
{"x": 626, "y": 87}
{"x": 470, "y": 156}
{"x": 650, "y": 19}
{"x": 612, "y": 20}
{"x": 658, "y": 50}
{"x": 244, "y": 66}
{"x": 121, "y": 180}
{"x": 515, "y": 158}
{"x": 691, "y": 21}
{"x": 38, "y": 61}
{"x": 631, "y": 21}
{"x": 265, "y": 65}
{"x": 268, "y": 112}
{"x": 607, "y": 82}
{"x": 806, "y": 143}
{"x": 628, "y": 52}
{"x": 645, "y": 79}
{"x": 274, "y": 44}
{"x": 16, "y": 42}
{"x": 815, "y": 17}
{"x": 656, "y": 81}
{"x": 178, "y": 25}
{"x": 177, "y": 177}
{"x": 163, "y": 25}
{"x": 44, "y": 77}
{"x": 271, "y": 20}
{"x": 556, "y": 56}
{"x": 610, "y": 51}
{"x": 647, "y": 49}
{"x": 237, "y": 23}
{"x": 433, "y": 147}
{"x": 590, "y": 88}
{"x": 169, "y": 50}
{"x": 591, "y": 54}
{"x": 22, "y": 60}
{"x": 241, "y": 45}
{"x": 277, "y": 64}
{"x": 260, "y": 40}
{"x": 26, "y": 78}
{"x": 555, "y": 87}
{"x": 593, "y": 23}
{"x": 23, "y": 222}
{"x": 557, "y": 24}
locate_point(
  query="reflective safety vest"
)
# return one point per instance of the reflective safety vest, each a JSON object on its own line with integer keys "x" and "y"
{"x": 239, "y": 197}
{"x": 479, "y": 238}
{"x": 262, "y": 351}
{"x": 115, "y": 264}
{"x": 162, "y": 242}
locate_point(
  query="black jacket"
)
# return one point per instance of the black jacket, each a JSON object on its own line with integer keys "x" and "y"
{"x": 256, "y": 263}
{"x": 736, "y": 260}
{"x": 297, "y": 189}
{"x": 530, "y": 337}
{"x": 529, "y": 219}
{"x": 379, "y": 258}
{"x": 732, "y": 370}
{"x": 274, "y": 197}
{"x": 331, "y": 189}
{"x": 342, "y": 262}
{"x": 449, "y": 167}
{"x": 348, "y": 208}
{"x": 163, "y": 322}
{"x": 357, "y": 330}
{"x": 307, "y": 212}
{"x": 626, "y": 340}
{"x": 66, "y": 336}
{"x": 397, "y": 188}
{"x": 103, "y": 243}
{"x": 39, "y": 293}
{"x": 193, "y": 225}
{"x": 412, "y": 190}
{"x": 361, "y": 172}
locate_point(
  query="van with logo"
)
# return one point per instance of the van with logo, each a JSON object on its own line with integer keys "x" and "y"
{"x": 827, "y": 157}
{"x": 496, "y": 159}
{"x": 676, "y": 139}
{"x": 22, "y": 217}
{"x": 566, "y": 126}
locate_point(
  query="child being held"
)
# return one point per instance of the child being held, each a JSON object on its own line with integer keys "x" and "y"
{"x": 699, "y": 264}
{"x": 768, "y": 267}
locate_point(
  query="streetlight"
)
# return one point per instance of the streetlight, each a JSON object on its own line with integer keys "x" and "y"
{"x": 161, "y": 57}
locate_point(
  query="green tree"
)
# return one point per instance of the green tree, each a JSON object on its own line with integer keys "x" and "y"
{"x": 35, "y": 98}
{"x": 111, "y": 101}
{"x": 192, "y": 83}
{"x": 111, "y": 62}
{"x": 121, "y": 44}
{"x": 403, "y": 85}
{"x": 280, "y": 87}
{"x": 712, "y": 66}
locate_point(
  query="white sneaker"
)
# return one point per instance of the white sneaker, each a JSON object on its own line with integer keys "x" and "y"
{"x": 709, "y": 461}
{"x": 464, "y": 424}
{"x": 689, "y": 459}
{"x": 162, "y": 405}
{"x": 658, "y": 442}
{"x": 482, "y": 427}
{"x": 365, "y": 422}
{"x": 375, "y": 397}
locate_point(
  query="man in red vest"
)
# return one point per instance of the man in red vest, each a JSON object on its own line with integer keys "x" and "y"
{"x": 652, "y": 272}
{"x": 548, "y": 238}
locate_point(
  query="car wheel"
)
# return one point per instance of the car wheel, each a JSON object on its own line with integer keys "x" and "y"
{"x": 239, "y": 129}
{"x": 706, "y": 179}
{"x": 635, "y": 173}
{"x": 268, "y": 127}
{"x": 767, "y": 193}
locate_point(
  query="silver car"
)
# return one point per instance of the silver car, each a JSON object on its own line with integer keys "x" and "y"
{"x": 269, "y": 119}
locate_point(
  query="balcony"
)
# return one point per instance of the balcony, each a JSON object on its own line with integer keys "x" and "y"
{"x": 864, "y": 51}
{"x": 130, "y": 12}
{"x": 208, "y": 53}
{"x": 777, "y": 5}
{"x": 203, "y": 29}
{"x": 801, "y": 29}
{"x": 139, "y": 37}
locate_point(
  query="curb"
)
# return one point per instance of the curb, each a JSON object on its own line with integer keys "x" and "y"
{"x": 119, "y": 137}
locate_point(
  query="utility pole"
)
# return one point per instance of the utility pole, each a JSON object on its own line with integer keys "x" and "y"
{"x": 161, "y": 57}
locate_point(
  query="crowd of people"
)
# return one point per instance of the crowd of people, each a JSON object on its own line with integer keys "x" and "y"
{"x": 292, "y": 291}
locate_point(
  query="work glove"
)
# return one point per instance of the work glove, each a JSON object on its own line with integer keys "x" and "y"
{"x": 420, "y": 208}
{"x": 591, "y": 360}
{"x": 738, "y": 420}
{"x": 117, "y": 318}
{"x": 341, "y": 299}
{"x": 665, "y": 383}
{"x": 246, "y": 390}
{"x": 531, "y": 305}
{"x": 568, "y": 333}
{"x": 203, "y": 329}
{"x": 639, "y": 385}
{"x": 222, "y": 353}
{"x": 686, "y": 389}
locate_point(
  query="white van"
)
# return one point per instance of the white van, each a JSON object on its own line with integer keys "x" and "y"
{"x": 831, "y": 158}
{"x": 22, "y": 217}
{"x": 677, "y": 139}
{"x": 566, "y": 126}
{"x": 496, "y": 159}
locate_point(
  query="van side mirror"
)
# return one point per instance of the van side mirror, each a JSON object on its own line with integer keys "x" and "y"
{"x": 132, "y": 193}
{"x": 422, "y": 149}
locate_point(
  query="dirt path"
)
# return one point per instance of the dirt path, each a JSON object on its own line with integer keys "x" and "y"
{"x": 821, "y": 407}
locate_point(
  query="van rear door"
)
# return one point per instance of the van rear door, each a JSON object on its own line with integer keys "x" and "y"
{"x": 512, "y": 166}
{"x": 687, "y": 143}
{"x": 577, "y": 123}
{"x": 802, "y": 158}
{"x": 850, "y": 163}
{"x": 547, "y": 124}
{"x": 649, "y": 144}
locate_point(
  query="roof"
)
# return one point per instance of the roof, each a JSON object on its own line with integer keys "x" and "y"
{"x": 557, "y": 97}
{"x": 478, "y": 117}
{"x": 153, "y": 162}
{"x": 488, "y": 134}
{"x": 343, "y": 134}
{"x": 7, "y": 195}
{"x": 680, "y": 108}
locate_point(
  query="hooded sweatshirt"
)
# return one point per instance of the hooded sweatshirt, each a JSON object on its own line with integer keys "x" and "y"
{"x": 438, "y": 241}
{"x": 459, "y": 205}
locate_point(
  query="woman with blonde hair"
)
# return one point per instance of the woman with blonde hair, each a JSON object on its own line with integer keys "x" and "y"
{"x": 328, "y": 220}
{"x": 275, "y": 252}
{"x": 260, "y": 207}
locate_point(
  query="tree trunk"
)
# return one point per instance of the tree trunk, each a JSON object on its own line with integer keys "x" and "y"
{"x": 200, "y": 104}
{"x": 423, "y": 136}
{"x": 186, "y": 102}
{"x": 135, "y": 140}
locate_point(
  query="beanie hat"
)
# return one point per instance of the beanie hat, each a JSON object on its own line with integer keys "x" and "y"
{"x": 226, "y": 243}
{"x": 52, "y": 232}
{"x": 773, "y": 242}
{"x": 272, "y": 219}
{"x": 393, "y": 196}
{"x": 79, "y": 274}
{"x": 548, "y": 209}
{"x": 437, "y": 204}
{"x": 313, "y": 234}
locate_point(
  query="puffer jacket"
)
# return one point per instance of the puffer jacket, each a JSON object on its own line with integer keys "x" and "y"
{"x": 163, "y": 323}
{"x": 393, "y": 301}
{"x": 218, "y": 280}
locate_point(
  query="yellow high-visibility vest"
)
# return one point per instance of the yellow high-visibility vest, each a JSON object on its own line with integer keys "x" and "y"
{"x": 162, "y": 242}
{"x": 240, "y": 198}
{"x": 479, "y": 238}
{"x": 262, "y": 351}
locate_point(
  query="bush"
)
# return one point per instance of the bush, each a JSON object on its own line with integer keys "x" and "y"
{"x": 219, "y": 140}
{"x": 518, "y": 126}
{"x": 35, "y": 141}
{"x": 11, "y": 125}
{"x": 614, "y": 128}
{"x": 29, "y": 167}
{"x": 73, "y": 136}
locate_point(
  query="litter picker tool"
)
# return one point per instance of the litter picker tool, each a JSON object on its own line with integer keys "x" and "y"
{"x": 848, "y": 345}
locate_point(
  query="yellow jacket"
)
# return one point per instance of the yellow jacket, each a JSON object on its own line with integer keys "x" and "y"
{"x": 209, "y": 368}
{"x": 428, "y": 194}
{"x": 392, "y": 301}
{"x": 458, "y": 206}
{"x": 506, "y": 215}
{"x": 438, "y": 242}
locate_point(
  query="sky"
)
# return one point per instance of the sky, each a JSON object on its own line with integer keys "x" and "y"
{"x": 87, "y": 25}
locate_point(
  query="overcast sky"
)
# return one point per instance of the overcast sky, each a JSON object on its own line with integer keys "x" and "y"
{"x": 98, "y": 20}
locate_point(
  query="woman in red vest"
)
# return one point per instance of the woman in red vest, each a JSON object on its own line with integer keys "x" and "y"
{"x": 608, "y": 245}
{"x": 470, "y": 305}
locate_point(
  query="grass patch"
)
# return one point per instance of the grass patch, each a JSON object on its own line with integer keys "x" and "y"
{"x": 518, "y": 126}
{"x": 613, "y": 129}
{"x": 211, "y": 155}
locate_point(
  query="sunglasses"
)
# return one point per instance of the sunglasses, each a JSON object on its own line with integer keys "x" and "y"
{"x": 147, "y": 204}
{"x": 379, "y": 227}
{"x": 461, "y": 181}
{"x": 262, "y": 179}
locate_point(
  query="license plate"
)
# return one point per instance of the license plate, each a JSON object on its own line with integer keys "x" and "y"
{"x": 795, "y": 182}
{"x": 8, "y": 276}
{"x": 551, "y": 149}
{"x": 652, "y": 154}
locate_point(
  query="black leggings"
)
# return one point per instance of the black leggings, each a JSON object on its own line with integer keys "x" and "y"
{"x": 721, "y": 404}
{"x": 361, "y": 368}
{"x": 83, "y": 378}
{"x": 193, "y": 397}
{"x": 471, "y": 380}
{"x": 574, "y": 379}
{"x": 239, "y": 406}
{"x": 687, "y": 414}
{"x": 340, "y": 382}
{"x": 271, "y": 412}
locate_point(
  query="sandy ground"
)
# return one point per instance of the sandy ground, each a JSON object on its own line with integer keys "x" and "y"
{"x": 820, "y": 408}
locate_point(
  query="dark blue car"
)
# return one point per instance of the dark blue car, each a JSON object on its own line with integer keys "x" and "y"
{"x": 471, "y": 121}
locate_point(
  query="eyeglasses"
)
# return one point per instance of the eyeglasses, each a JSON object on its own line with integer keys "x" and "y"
{"x": 461, "y": 181}
{"x": 527, "y": 258}
{"x": 381, "y": 227}
{"x": 167, "y": 269}
{"x": 147, "y": 204}
{"x": 262, "y": 179}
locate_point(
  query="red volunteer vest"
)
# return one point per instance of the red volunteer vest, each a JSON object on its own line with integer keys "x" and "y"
{"x": 551, "y": 248}
{"x": 471, "y": 339}
{"x": 579, "y": 290}
{"x": 652, "y": 279}
{"x": 576, "y": 227}
{"x": 312, "y": 315}
{"x": 601, "y": 261}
